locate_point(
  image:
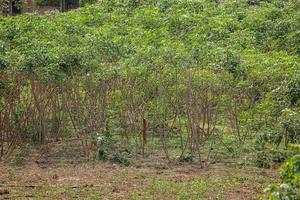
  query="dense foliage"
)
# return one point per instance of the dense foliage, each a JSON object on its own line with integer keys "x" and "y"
{"x": 290, "y": 176}
{"x": 154, "y": 75}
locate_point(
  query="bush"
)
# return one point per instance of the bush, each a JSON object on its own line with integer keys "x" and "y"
{"x": 104, "y": 145}
{"x": 188, "y": 158}
{"x": 290, "y": 171}
{"x": 31, "y": 133}
{"x": 122, "y": 157}
{"x": 47, "y": 3}
{"x": 20, "y": 157}
{"x": 289, "y": 188}
{"x": 268, "y": 137}
{"x": 267, "y": 158}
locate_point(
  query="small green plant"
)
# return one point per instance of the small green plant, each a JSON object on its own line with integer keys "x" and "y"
{"x": 267, "y": 149}
{"x": 187, "y": 158}
{"x": 262, "y": 159}
{"x": 267, "y": 158}
{"x": 47, "y": 2}
{"x": 122, "y": 157}
{"x": 268, "y": 137}
{"x": 289, "y": 188}
{"x": 103, "y": 143}
{"x": 20, "y": 157}
{"x": 30, "y": 133}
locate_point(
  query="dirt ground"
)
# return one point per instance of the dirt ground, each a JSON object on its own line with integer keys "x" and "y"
{"x": 105, "y": 180}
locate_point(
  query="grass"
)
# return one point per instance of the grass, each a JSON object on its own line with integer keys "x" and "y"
{"x": 61, "y": 173}
{"x": 104, "y": 180}
{"x": 191, "y": 188}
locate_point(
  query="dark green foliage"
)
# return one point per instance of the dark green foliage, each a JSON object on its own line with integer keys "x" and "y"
{"x": 289, "y": 188}
{"x": 103, "y": 153}
{"x": 178, "y": 63}
{"x": 85, "y": 2}
{"x": 291, "y": 170}
{"x": 293, "y": 132}
{"x": 293, "y": 91}
{"x": 69, "y": 3}
{"x": 268, "y": 137}
{"x": 188, "y": 158}
{"x": 122, "y": 157}
{"x": 30, "y": 133}
{"x": 104, "y": 145}
{"x": 232, "y": 64}
{"x": 267, "y": 148}
{"x": 267, "y": 158}
{"x": 2, "y": 64}
{"x": 254, "y": 2}
{"x": 47, "y": 3}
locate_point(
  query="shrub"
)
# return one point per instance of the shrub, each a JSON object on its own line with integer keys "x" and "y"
{"x": 187, "y": 158}
{"x": 122, "y": 157}
{"x": 47, "y": 2}
{"x": 103, "y": 143}
{"x": 30, "y": 133}
{"x": 289, "y": 188}
{"x": 20, "y": 156}
{"x": 267, "y": 158}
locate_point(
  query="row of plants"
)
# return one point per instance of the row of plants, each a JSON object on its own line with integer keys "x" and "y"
{"x": 150, "y": 72}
